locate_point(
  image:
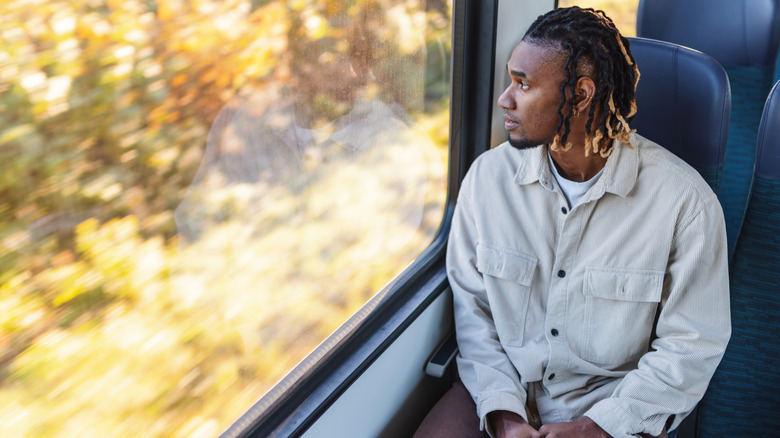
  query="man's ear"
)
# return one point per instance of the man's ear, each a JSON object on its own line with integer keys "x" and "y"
{"x": 585, "y": 90}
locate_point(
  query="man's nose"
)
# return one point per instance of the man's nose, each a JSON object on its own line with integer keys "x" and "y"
{"x": 505, "y": 100}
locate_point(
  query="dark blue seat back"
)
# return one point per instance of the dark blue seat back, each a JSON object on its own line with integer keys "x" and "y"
{"x": 743, "y": 35}
{"x": 683, "y": 104}
{"x": 743, "y": 398}
{"x": 735, "y": 32}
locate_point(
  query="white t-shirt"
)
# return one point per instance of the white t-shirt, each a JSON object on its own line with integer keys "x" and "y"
{"x": 573, "y": 190}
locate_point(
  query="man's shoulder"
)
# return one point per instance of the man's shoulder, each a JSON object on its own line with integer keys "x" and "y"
{"x": 666, "y": 169}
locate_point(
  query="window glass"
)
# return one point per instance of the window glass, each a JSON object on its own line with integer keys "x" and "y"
{"x": 622, "y": 12}
{"x": 194, "y": 194}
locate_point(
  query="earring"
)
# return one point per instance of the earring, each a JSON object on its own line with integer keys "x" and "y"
{"x": 576, "y": 114}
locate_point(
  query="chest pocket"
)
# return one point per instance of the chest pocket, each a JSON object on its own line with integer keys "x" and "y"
{"x": 507, "y": 274}
{"x": 620, "y": 308}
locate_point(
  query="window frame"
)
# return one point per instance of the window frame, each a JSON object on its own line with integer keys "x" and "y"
{"x": 301, "y": 397}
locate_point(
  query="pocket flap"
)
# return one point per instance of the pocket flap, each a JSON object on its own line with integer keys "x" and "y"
{"x": 505, "y": 263}
{"x": 624, "y": 284}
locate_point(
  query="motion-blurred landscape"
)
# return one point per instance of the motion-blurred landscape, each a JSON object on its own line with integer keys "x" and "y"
{"x": 111, "y": 324}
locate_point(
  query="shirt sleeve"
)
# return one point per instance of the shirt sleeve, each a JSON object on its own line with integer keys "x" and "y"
{"x": 693, "y": 328}
{"x": 484, "y": 367}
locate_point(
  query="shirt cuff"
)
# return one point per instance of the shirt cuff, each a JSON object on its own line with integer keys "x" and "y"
{"x": 498, "y": 401}
{"x": 614, "y": 419}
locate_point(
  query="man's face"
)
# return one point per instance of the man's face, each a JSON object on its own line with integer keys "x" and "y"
{"x": 531, "y": 101}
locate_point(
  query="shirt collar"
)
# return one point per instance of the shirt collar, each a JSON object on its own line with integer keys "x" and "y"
{"x": 619, "y": 177}
{"x": 534, "y": 167}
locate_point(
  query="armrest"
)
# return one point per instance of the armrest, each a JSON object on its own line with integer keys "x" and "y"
{"x": 440, "y": 360}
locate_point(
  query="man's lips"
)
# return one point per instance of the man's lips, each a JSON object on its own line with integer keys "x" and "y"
{"x": 510, "y": 124}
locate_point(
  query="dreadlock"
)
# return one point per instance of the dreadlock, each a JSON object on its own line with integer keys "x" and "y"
{"x": 592, "y": 43}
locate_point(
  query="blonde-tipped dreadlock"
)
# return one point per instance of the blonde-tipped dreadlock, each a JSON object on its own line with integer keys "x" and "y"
{"x": 591, "y": 41}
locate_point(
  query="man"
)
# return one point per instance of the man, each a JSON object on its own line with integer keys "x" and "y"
{"x": 588, "y": 264}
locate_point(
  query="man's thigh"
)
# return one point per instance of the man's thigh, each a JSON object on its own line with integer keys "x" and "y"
{"x": 453, "y": 416}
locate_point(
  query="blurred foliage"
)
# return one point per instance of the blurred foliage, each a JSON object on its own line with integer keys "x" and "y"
{"x": 110, "y": 327}
{"x": 622, "y": 12}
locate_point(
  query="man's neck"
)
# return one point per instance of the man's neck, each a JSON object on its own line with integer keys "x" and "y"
{"x": 575, "y": 166}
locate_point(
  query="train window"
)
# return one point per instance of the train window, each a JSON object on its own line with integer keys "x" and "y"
{"x": 622, "y": 12}
{"x": 194, "y": 194}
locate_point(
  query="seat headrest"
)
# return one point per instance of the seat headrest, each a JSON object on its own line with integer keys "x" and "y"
{"x": 768, "y": 144}
{"x": 683, "y": 101}
{"x": 740, "y": 32}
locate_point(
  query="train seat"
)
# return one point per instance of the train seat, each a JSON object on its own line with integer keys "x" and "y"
{"x": 743, "y": 35}
{"x": 744, "y": 396}
{"x": 684, "y": 103}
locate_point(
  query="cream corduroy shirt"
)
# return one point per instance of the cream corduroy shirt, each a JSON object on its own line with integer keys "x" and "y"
{"x": 617, "y": 309}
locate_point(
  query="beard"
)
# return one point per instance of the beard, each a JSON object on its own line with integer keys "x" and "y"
{"x": 524, "y": 143}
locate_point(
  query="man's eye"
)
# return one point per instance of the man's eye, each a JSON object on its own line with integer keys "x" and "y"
{"x": 523, "y": 86}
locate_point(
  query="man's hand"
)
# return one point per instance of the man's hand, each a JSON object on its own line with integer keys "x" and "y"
{"x": 510, "y": 425}
{"x": 583, "y": 427}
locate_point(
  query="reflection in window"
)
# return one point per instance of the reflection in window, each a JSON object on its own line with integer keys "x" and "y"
{"x": 193, "y": 195}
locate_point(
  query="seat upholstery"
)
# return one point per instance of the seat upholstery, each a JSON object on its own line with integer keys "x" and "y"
{"x": 743, "y": 398}
{"x": 743, "y": 35}
{"x": 683, "y": 104}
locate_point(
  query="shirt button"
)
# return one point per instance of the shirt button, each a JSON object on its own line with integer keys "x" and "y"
{"x": 551, "y": 376}
{"x": 564, "y": 210}
{"x": 561, "y": 273}
{"x": 554, "y": 332}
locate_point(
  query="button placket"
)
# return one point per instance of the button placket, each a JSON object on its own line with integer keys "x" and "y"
{"x": 556, "y": 318}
